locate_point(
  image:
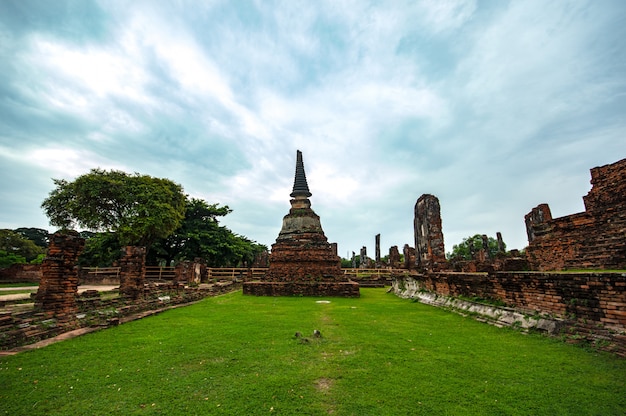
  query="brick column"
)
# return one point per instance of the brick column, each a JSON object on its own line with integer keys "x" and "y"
{"x": 132, "y": 271}
{"x": 59, "y": 277}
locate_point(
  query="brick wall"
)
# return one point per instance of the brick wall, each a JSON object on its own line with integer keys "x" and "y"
{"x": 18, "y": 273}
{"x": 594, "y": 304}
{"x": 331, "y": 288}
{"x": 594, "y": 239}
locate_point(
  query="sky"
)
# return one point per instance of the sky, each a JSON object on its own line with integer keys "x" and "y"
{"x": 493, "y": 106}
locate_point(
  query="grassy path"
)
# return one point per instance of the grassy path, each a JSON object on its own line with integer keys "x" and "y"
{"x": 378, "y": 355}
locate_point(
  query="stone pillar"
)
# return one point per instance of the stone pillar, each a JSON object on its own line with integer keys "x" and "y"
{"x": 363, "y": 258}
{"x": 501, "y": 246}
{"x": 353, "y": 260}
{"x": 429, "y": 246}
{"x": 377, "y": 251}
{"x": 486, "y": 245}
{"x": 199, "y": 271}
{"x": 59, "y": 277}
{"x": 409, "y": 256}
{"x": 394, "y": 257}
{"x": 536, "y": 220}
{"x": 132, "y": 271}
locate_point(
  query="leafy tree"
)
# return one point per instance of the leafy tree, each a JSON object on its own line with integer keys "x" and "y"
{"x": 7, "y": 259}
{"x": 101, "y": 250}
{"x": 38, "y": 236}
{"x": 17, "y": 249}
{"x": 201, "y": 236}
{"x": 138, "y": 208}
{"x": 469, "y": 245}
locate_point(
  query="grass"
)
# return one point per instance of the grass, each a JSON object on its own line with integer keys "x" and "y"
{"x": 378, "y": 355}
{"x": 26, "y": 284}
{"x": 14, "y": 292}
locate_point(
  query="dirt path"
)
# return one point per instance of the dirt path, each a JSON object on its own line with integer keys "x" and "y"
{"x": 33, "y": 289}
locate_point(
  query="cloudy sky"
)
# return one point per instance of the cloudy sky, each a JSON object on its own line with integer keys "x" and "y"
{"x": 493, "y": 106}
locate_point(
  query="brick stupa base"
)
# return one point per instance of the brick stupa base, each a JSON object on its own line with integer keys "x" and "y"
{"x": 302, "y": 262}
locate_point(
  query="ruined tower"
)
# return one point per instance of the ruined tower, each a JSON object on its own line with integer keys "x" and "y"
{"x": 302, "y": 261}
{"x": 428, "y": 233}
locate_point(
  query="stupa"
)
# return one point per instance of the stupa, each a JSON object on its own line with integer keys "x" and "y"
{"x": 302, "y": 261}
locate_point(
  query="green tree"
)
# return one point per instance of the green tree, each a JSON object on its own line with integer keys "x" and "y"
{"x": 201, "y": 236}
{"x": 15, "y": 248}
{"x": 469, "y": 245}
{"x": 101, "y": 250}
{"x": 138, "y": 208}
{"x": 38, "y": 236}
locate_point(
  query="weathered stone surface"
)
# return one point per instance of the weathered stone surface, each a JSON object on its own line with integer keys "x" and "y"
{"x": 191, "y": 272}
{"x": 133, "y": 272}
{"x": 377, "y": 251}
{"x": 59, "y": 278}
{"x": 591, "y": 239}
{"x": 410, "y": 256}
{"x": 429, "y": 246}
{"x": 394, "y": 257}
{"x": 302, "y": 262}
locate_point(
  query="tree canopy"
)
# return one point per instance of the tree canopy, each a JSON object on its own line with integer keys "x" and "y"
{"x": 201, "y": 236}
{"x": 470, "y": 245}
{"x": 15, "y": 248}
{"x": 38, "y": 236}
{"x": 138, "y": 208}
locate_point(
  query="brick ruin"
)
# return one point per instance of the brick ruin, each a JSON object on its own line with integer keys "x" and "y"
{"x": 585, "y": 306}
{"x": 594, "y": 239}
{"x": 59, "y": 277}
{"x": 394, "y": 257}
{"x": 191, "y": 273}
{"x": 582, "y": 307}
{"x": 302, "y": 262}
{"x": 132, "y": 272}
{"x": 429, "y": 247}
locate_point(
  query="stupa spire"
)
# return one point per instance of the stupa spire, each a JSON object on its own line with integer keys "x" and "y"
{"x": 300, "y": 186}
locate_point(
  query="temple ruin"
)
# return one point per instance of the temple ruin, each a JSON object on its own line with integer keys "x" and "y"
{"x": 593, "y": 239}
{"x": 302, "y": 262}
{"x": 430, "y": 251}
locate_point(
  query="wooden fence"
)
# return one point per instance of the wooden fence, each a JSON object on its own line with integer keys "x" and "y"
{"x": 226, "y": 273}
{"x": 160, "y": 273}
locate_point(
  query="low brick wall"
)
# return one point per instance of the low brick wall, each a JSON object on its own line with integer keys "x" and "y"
{"x": 338, "y": 289}
{"x": 593, "y": 304}
{"x": 22, "y": 328}
{"x": 21, "y": 273}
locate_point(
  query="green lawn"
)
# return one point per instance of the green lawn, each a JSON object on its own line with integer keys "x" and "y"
{"x": 378, "y": 355}
{"x": 25, "y": 284}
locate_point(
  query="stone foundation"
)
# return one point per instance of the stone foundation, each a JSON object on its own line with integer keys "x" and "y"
{"x": 340, "y": 289}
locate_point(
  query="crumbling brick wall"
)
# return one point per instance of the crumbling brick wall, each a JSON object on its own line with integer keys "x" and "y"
{"x": 59, "y": 277}
{"x": 594, "y": 304}
{"x": 593, "y": 239}
{"x": 21, "y": 273}
{"x": 191, "y": 272}
{"x": 394, "y": 257}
